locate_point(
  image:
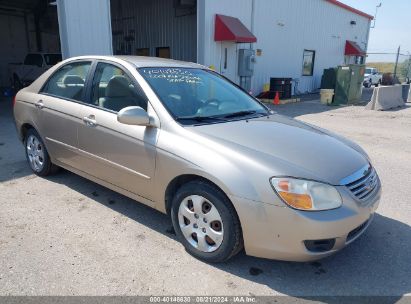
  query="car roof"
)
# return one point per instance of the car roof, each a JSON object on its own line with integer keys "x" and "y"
{"x": 145, "y": 62}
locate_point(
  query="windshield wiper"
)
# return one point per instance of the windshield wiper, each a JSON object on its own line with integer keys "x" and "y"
{"x": 200, "y": 118}
{"x": 241, "y": 113}
{"x": 218, "y": 117}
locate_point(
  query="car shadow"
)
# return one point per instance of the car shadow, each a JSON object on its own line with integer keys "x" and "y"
{"x": 376, "y": 264}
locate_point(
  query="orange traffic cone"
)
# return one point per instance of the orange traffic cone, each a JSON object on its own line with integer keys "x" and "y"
{"x": 277, "y": 98}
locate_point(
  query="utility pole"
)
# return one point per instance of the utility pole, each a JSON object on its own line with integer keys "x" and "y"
{"x": 375, "y": 16}
{"x": 396, "y": 62}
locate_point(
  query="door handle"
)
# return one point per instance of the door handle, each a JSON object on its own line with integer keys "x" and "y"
{"x": 39, "y": 104}
{"x": 90, "y": 121}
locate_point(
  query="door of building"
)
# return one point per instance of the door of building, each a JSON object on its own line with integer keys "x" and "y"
{"x": 228, "y": 62}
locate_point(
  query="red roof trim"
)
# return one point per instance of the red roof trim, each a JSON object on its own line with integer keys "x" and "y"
{"x": 349, "y": 8}
{"x": 353, "y": 49}
{"x": 232, "y": 29}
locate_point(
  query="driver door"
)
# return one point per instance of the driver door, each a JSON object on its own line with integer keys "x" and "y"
{"x": 123, "y": 155}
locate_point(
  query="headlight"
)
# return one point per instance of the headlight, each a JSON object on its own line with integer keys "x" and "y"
{"x": 306, "y": 195}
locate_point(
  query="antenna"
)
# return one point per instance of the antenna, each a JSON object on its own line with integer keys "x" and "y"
{"x": 375, "y": 16}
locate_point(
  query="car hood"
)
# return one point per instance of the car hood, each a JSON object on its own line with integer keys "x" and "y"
{"x": 289, "y": 147}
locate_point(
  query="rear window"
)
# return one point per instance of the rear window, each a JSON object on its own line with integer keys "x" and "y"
{"x": 52, "y": 59}
{"x": 34, "y": 59}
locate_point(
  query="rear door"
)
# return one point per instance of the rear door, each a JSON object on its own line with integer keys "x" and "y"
{"x": 123, "y": 155}
{"x": 59, "y": 104}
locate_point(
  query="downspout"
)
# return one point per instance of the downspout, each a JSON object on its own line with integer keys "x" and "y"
{"x": 37, "y": 30}
{"x": 26, "y": 27}
{"x": 368, "y": 39}
{"x": 252, "y": 20}
{"x": 252, "y": 31}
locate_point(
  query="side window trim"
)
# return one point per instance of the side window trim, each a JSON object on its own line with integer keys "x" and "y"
{"x": 89, "y": 102}
{"x": 89, "y": 83}
{"x": 83, "y": 95}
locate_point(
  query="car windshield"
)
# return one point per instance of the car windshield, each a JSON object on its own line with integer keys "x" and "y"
{"x": 196, "y": 96}
{"x": 52, "y": 59}
{"x": 368, "y": 71}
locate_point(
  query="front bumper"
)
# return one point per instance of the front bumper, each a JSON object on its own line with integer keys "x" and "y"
{"x": 281, "y": 233}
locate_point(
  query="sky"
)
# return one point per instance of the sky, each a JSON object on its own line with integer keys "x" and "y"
{"x": 392, "y": 27}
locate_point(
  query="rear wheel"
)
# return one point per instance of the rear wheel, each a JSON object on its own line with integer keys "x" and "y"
{"x": 37, "y": 155}
{"x": 205, "y": 222}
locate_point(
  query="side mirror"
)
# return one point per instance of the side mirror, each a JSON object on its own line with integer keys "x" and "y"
{"x": 133, "y": 116}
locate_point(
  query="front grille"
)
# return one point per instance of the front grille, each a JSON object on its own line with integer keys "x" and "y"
{"x": 364, "y": 187}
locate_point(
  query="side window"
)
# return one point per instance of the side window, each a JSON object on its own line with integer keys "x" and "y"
{"x": 68, "y": 81}
{"x": 114, "y": 90}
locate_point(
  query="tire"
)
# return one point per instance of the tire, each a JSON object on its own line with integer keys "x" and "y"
{"x": 37, "y": 155}
{"x": 229, "y": 239}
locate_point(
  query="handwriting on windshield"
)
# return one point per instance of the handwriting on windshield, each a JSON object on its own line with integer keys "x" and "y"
{"x": 173, "y": 75}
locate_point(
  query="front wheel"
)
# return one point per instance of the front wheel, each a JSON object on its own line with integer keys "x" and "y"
{"x": 37, "y": 155}
{"x": 205, "y": 222}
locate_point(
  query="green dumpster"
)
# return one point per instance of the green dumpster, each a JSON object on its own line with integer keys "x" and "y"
{"x": 346, "y": 81}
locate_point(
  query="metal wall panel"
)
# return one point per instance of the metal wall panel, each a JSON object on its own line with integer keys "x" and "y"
{"x": 151, "y": 24}
{"x": 85, "y": 27}
{"x": 283, "y": 30}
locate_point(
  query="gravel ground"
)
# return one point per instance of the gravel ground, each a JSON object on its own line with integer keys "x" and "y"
{"x": 65, "y": 235}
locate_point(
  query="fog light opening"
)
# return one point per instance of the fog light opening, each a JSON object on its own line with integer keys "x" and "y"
{"x": 319, "y": 245}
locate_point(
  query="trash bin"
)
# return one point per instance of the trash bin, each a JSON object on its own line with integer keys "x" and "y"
{"x": 326, "y": 96}
{"x": 282, "y": 86}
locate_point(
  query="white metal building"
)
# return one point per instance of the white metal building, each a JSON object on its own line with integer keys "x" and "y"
{"x": 295, "y": 39}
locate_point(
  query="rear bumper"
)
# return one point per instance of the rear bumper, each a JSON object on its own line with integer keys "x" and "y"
{"x": 281, "y": 233}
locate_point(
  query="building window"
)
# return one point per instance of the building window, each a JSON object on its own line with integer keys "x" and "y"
{"x": 163, "y": 52}
{"x": 359, "y": 60}
{"x": 308, "y": 63}
{"x": 143, "y": 52}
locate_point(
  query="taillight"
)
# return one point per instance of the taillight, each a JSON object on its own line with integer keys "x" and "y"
{"x": 14, "y": 100}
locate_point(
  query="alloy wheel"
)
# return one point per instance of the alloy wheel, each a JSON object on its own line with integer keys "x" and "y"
{"x": 35, "y": 153}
